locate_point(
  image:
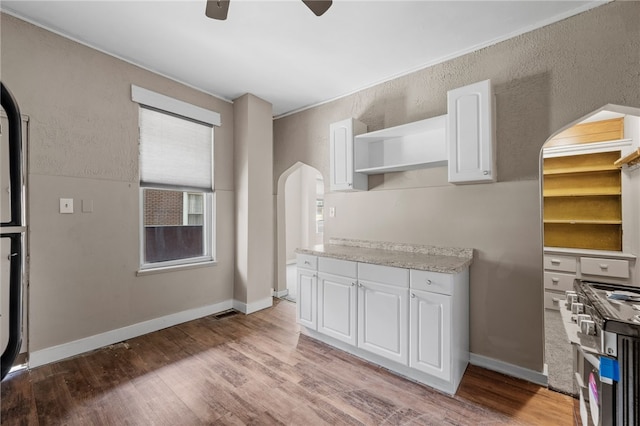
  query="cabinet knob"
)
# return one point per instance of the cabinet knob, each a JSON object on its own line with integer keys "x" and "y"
{"x": 352, "y": 284}
{"x": 486, "y": 172}
{"x": 306, "y": 262}
{"x": 604, "y": 266}
{"x": 360, "y": 285}
{"x": 428, "y": 282}
{"x": 555, "y": 280}
{"x": 413, "y": 295}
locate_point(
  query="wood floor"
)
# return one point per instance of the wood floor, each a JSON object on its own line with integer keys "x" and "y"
{"x": 257, "y": 370}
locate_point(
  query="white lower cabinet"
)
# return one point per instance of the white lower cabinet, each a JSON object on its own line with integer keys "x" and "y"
{"x": 430, "y": 333}
{"x": 307, "y": 296}
{"x": 337, "y": 299}
{"x": 383, "y": 314}
{"x": 413, "y": 322}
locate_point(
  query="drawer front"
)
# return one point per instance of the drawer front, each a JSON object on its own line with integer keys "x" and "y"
{"x": 616, "y": 268}
{"x": 343, "y": 268}
{"x": 558, "y": 281}
{"x": 434, "y": 282}
{"x": 307, "y": 261}
{"x": 560, "y": 263}
{"x": 553, "y": 300}
{"x": 383, "y": 274}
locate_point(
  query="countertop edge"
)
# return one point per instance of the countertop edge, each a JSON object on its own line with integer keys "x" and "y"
{"x": 462, "y": 264}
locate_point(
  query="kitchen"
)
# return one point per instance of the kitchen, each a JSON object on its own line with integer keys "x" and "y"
{"x": 538, "y": 92}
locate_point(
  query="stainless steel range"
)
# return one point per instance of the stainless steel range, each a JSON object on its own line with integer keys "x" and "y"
{"x": 603, "y": 325}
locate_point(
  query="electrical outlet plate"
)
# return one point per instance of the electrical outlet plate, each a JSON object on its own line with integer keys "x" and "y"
{"x": 66, "y": 205}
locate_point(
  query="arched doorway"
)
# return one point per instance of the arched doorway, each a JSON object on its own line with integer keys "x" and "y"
{"x": 300, "y": 221}
{"x": 582, "y": 219}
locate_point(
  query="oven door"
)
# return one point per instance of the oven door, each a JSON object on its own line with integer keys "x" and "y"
{"x": 595, "y": 402}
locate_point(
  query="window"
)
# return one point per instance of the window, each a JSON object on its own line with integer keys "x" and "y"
{"x": 176, "y": 187}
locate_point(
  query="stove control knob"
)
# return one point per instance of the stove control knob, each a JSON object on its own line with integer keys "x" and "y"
{"x": 588, "y": 327}
{"x": 582, "y": 317}
{"x": 571, "y": 299}
{"x": 577, "y": 308}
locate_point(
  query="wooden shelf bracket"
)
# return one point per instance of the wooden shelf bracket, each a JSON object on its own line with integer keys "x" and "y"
{"x": 629, "y": 160}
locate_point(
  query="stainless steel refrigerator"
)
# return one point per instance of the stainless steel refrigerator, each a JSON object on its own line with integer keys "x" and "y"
{"x": 12, "y": 231}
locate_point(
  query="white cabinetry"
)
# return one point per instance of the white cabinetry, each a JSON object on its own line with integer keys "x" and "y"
{"x": 337, "y": 299}
{"x": 383, "y": 311}
{"x": 307, "y": 282}
{"x": 413, "y": 322}
{"x": 430, "y": 326}
{"x": 562, "y": 266}
{"x": 439, "y": 324}
{"x": 342, "y": 173}
{"x": 471, "y": 134}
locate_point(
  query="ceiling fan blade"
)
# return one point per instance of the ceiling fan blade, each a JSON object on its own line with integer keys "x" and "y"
{"x": 318, "y": 6}
{"x": 217, "y": 9}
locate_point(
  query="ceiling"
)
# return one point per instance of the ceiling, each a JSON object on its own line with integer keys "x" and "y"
{"x": 279, "y": 50}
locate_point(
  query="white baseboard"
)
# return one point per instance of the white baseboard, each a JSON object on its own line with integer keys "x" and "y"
{"x": 281, "y": 293}
{"x": 249, "y": 308}
{"x": 533, "y": 376}
{"x": 77, "y": 347}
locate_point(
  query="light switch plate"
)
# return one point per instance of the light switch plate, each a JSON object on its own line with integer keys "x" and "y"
{"x": 87, "y": 206}
{"x": 66, "y": 205}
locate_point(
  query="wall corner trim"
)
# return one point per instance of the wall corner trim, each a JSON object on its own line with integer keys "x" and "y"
{"x": 80, "y": 346}
{"x": 536, "y": 377}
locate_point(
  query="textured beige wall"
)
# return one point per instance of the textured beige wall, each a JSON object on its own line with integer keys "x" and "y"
{"x": 542, "y": 81}
{"x": 83, "y": 145}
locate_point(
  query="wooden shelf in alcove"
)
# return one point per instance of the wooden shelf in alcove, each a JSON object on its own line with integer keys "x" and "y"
{"x": 583, "y": 236}
{"x": 581, "y": 192}
{"x": 584, "y": 222}
{"x": 585, "y": 169}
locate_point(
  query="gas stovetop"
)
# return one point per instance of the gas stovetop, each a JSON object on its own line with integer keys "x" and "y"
{"x": 616, "y": 306}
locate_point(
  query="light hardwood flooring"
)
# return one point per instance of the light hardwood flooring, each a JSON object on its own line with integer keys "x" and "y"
{"x": 257, "y": 370}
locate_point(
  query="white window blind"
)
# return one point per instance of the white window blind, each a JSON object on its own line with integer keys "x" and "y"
{"x": 175, "y": 151}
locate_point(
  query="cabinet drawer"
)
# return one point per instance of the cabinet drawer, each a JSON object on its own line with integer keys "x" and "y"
{"x": 617, "y": 268}
{"x": 560, "y": 263}
{"x": 557, "y": 281}
{"x": 553, "y": 300}
{"x": 434, "y": 282}
{"x": 306, "y": 261}
{"x": 383, "y": 274}
{"x": 343, "y": 268}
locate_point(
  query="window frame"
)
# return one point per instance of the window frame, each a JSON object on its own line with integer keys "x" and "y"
{"x": 207, "y": 231}
{"x": 166, "y": 105}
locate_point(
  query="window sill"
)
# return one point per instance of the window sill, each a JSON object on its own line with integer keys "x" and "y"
{"x": 173, "y": 268}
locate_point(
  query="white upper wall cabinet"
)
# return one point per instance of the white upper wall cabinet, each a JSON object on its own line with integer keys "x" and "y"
{"x": 343, "y": 176}
{"x": 471, "y": 138}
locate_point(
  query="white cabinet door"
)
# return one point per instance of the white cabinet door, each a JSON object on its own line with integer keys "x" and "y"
{"x": 471, "y": 133}
{"x": 430, "y": 329}
{"x": 342, "y": 175}
{"x": 383, "y": 316}
{"x": 306, "y": 303}
{"x": 337, "y": 307}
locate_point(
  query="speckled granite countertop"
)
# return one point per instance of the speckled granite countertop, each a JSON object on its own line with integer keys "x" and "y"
{"x": 411, "y": 256}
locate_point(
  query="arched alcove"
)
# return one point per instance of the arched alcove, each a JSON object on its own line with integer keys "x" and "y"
{"x": 299, "y": 204}
{"x": 566, "y": 145}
